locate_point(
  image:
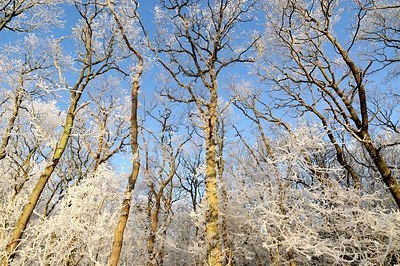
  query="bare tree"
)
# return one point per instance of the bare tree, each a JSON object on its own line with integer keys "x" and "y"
{"x": 190, "y": 177}
{"x": 262, "y": 115}
{"x": 25, "y": 71}
{"x": 160, "y": 180}
{"x": 95, "y": 59}
{"x": 320, "y": 74}
{"x": 125, "y": 15}
{"x": 111, "y": 124}
{"x": 202, "y": 44}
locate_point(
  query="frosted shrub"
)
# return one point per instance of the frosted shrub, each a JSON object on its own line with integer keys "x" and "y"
{"x": 80, "y": 231}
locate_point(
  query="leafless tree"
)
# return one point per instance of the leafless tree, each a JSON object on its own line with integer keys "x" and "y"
{"x": 203, "y": 42}
{"x": 320, "y": 74}
{"x": 95, "y": 59}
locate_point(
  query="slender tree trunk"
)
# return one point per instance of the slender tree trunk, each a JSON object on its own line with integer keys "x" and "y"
{"x": 292, "y": 262}
{"x": 24, "y": 169}
{"x": 154, "y": 256}
{"x": 126, "y": 203}
{"x": 167, "y": 221}
{"x": 153, "y": 230}
{"x": 226, "y": 245}
{"x": 281, "y": 186}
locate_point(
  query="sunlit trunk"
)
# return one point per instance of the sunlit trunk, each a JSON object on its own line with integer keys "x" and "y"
{"x": 126, "y": 203}
{"x": 212, "y": 214}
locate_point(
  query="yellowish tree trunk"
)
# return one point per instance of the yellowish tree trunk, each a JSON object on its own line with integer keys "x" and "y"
{"x": 126, "y": 203}
{"x": 212, "y": 231}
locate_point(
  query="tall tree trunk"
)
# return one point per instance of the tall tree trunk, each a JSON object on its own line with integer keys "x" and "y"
{"x": 167, "y": 221}
{"x": 126, "y": 203}
{"x": 212, "y": 231}
{"x": 226, "y": 245}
